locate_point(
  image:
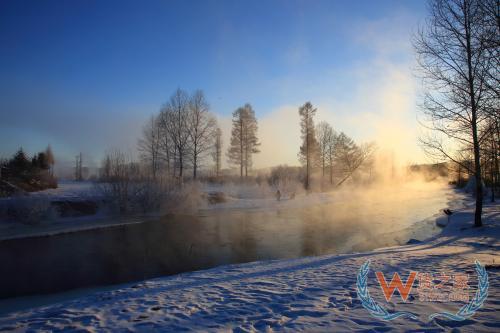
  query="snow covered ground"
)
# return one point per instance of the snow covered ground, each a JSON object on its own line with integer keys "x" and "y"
{"x": 308, "y": 294}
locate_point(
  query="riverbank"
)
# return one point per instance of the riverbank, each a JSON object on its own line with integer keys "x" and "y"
{"x": 310, "y": 294}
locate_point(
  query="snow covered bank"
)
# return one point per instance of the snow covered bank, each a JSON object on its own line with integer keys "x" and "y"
{"x": 69, "y": 190}
{"x": 310, "y": 294}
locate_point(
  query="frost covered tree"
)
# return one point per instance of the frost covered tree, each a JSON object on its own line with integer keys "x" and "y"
{"x": 244, "y": 142}
{"x": 201, "y": 127}
{"x": 309, "y": 150}
{"x": 457, "y": 51}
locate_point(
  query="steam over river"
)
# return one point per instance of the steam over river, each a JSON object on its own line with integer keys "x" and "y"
{"x": 350, "y": 222}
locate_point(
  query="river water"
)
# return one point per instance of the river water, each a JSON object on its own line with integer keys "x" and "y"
{"x": 349, "y": 222}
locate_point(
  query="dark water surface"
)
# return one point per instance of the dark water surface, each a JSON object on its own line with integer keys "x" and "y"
{"x": 182, "y": 243}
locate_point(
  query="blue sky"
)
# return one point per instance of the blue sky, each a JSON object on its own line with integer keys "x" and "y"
{"x": 85, "y": 75}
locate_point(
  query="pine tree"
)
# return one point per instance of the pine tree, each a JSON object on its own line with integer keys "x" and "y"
{"x": 244, "y": 142}
{"x": 19, "y": 165}
{"x": 308, "y": 154}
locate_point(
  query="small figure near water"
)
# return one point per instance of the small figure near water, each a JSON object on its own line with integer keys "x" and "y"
{"x": 448, "y": 214}
{"x": 278, "y": 195}
{"x": 447, "y": 211}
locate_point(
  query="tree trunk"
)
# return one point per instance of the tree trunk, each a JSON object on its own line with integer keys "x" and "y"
{"x": 153, "y": 164}
{"x": 330, "y": 159}
{"x": 181, "y": 166}
{"x": 167, "y": 157}
{"x": 195, "y": 166}
{"x": 492, "y": 170}
{"x": 241, "y": 148}
{"x": 195, "y": 160}
{"x": 241, "y": 165}
{"x": 492, "y": 177}
{"x": 477, "y": 159}
{"x": 307, "y": 159}
{"x": 477, "y": 162}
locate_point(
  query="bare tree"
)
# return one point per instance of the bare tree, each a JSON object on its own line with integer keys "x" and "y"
{"x": 117, "y": 188}
{"x": 181, "y": 133}
{"x": 308, "y": 154}
{"x": 150, "y": 145}
{"x": 325, "y": 137}
{"x": 201, "y": 127}
{"x": 105, "y": 170}
{"x": 217, "y": 151}
{"x": 490, "y": 12}
{"x": 176, "y": 114}
{"x": 490, "y": 133}
{"x": 490, "y": 156}
{"x": 167, "y": 148}
{"x": 331, "y": 153}
{"x": 454, "y": 63}
{"x": 350, "y": 157}
{"x": 244, "y": 142}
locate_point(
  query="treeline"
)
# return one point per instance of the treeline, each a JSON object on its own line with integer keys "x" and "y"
{"x": 184, "y": 135}
{"x": 28, "y": 174}
{"x": 184, "y": 138}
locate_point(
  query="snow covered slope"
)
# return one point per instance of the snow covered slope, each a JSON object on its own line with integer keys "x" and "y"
{"x": 309, "y": 294}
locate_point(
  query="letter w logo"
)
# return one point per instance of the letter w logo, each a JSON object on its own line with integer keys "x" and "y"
{"x": 404, "y": 290}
